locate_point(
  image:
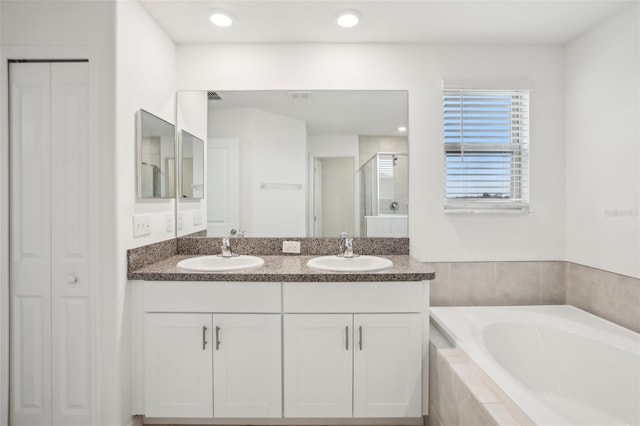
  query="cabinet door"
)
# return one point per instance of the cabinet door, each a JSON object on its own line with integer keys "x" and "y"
{"x": 247, "y": 365}
{"x": 178, "y": 365}
{"x": 318, "y": 365}
{"x": 387, "y": 365}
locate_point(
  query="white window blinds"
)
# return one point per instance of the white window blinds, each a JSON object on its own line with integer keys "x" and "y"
{"x": 486, "y": 141}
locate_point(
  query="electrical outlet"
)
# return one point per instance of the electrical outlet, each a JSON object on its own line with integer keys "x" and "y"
{"x": 180, "y": 221}
{"x": 141, "y": 225}
{"x": 169, "y": 222}
{"x": 197, "y": 217}
{"x": 291, "y": 247}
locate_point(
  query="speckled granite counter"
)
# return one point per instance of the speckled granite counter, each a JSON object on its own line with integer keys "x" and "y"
{"x": 285, "y": 268}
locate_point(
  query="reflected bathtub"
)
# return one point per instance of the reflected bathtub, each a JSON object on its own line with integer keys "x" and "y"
{"x": 559, "y": 364}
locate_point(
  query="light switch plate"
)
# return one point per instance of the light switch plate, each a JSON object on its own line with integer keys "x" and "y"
{"x": 180, "y": 221}
{"x": 169, "y": 222}
{"x": 197, "y": 217}
{"x": 141, "y": 225}
{"x": 291, "y": 247}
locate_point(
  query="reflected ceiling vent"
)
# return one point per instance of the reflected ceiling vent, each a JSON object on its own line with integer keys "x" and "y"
{"x": 213, "y": 96}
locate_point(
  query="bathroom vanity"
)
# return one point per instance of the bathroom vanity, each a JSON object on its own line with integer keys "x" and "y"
{"x": 280, "y": 344}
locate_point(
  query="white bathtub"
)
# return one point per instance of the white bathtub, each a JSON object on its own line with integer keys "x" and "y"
{"x": 559, "y": 364}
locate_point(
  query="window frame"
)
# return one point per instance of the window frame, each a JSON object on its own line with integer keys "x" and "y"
{"x": 519, "y": 172}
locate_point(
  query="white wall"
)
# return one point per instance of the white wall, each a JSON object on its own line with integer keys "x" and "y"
{"x": 145, "y": 78}
{"x": 335, "y": 146}
{"x": 273, "y": 149}
{"x": 192, "y": 117}
{"x": 74, "y": 30}
{"x": 420, "y": 69}
{"x": 603, "y": 146}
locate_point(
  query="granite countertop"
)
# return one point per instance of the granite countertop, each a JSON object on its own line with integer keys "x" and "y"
{"x": 285, "y": 268}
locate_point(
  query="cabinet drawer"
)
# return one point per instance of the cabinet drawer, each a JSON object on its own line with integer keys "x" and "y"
{"x": 358, "y": 297}
{"x": 222, "y": 297}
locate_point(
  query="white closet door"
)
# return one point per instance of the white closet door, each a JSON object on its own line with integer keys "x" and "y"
{"x": 50, "y": 317}
{"x": 30, "y": 146}
{"x": 71, "y": 305}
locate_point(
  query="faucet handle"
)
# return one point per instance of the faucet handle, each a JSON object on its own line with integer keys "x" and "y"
{"x": 344, "y": 235}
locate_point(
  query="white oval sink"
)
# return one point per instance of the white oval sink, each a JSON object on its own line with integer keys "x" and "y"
{"x": 350, "y": 264}
{"x": 219, "y": 264}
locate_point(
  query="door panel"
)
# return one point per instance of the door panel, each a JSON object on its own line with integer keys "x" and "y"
{"x": 247, "y": 365}
{"x": 318, "y": 365}
{"x": 387, "y": 365}
{"x": 223, "y": 186}
{"x": 71, "y": 325}
{"x": 30, "y": 240}
{"x": 178, "y": 365}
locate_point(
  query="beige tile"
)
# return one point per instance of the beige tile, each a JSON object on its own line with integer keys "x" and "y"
{"x": 628, "y": 302}
{"x": 470, "y": 412}
{"x": 552, "y": 283}
{"x": 518, "y": 283}
{"x": 446, "y": 409}
{"x": 474, "y": 282}
{"x": 468, "y": 373}
{"x": 441, "y": 292}
{"x": 579, "y": 286}
{"x": 501, "y": 414}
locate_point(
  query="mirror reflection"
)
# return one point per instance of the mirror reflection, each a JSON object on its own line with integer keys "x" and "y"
{"x": 306, "y": 163}
{"x": 156, "y": 156}
{"x": 192, "y": 165}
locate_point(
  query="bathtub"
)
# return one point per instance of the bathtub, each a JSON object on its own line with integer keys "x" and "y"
{"x": 559, "y": 364}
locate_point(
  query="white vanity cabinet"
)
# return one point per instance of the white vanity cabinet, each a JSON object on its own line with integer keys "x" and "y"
{"x": 340, "y": 350}
{"x": 212, "y": 350}
{"x": 178, "y": 368}
{"x": 343, "y": 361}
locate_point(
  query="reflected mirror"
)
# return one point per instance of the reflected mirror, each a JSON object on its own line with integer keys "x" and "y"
{"x": 192, "y": 166}
{"x": 304, "y": 163}
{"x": 156, "y": 149}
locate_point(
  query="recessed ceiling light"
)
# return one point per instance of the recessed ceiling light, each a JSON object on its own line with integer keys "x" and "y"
{"x": 222, "y": 18}
{"x": 402, "y": 129}
{"x": 348, "y": 18}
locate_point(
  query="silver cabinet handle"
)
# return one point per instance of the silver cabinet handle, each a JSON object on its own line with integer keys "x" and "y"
{"x": 346, "y": 335}
{"x": 217, "y": 338}
{"x": 360, "y": 336}
{"x": 204, "y": 337}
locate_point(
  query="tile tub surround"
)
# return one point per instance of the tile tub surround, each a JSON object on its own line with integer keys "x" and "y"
{"x": 285, "y": 269}
{"x": 611, "y": 296}
{"x": 308, "y": 246}
{"x": 460, "y": 393}
{"x": 608, "y": 295}
{"x": 498, "y": 283}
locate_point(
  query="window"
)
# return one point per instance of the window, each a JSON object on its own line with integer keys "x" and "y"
{"x": 486, "y": 141}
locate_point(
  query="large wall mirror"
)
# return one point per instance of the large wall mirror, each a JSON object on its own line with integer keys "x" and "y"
{"x": 303, "y": 163}
{"x": 156, "y": 150}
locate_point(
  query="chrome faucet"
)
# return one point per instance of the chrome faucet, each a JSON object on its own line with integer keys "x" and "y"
{"x": 226, "y": 248}
{"x": 346, "y": 246}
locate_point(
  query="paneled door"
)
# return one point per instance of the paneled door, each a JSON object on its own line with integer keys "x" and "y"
{"x": 247, "y": 365}
{"x": 51, "y": 322}
{"x": 318, "y": 365}
{"x": 223, "y": 186}
{"x": 387, "y": 379}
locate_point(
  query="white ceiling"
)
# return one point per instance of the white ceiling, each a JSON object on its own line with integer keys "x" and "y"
{"x": 399, "y": 21}
{"x": 328, "y": 112}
